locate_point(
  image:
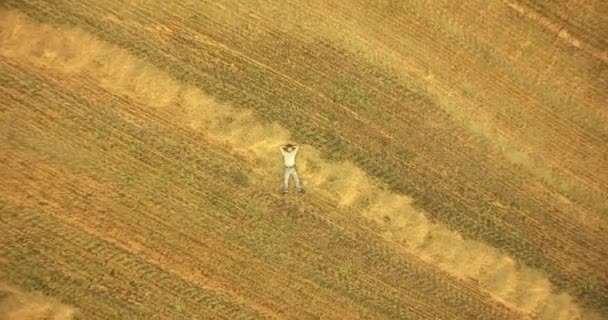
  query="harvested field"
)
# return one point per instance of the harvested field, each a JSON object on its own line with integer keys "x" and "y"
{"x": 454, "y": 156}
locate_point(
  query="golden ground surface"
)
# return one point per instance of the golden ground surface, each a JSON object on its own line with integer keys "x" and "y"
{"x": 455, "y": 158}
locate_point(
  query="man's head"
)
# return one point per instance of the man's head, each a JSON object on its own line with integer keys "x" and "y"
{"x": 288, "y": 147}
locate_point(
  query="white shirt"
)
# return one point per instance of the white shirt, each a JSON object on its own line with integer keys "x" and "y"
{"x": 289, "y": 158}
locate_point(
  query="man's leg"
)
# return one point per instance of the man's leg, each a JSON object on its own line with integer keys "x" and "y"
{"x": 296, "y": 179}
{"x": 286, "y": 174}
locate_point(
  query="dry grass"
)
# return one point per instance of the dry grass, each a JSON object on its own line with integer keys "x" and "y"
{"x": 18, "y": 305}
{"x": 149, "y": 116}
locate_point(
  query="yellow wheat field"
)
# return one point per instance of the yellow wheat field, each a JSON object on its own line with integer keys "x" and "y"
{"x": 454, "y": 158}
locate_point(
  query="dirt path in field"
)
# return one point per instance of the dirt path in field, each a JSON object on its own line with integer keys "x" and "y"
{"x": 72, "y": 51}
